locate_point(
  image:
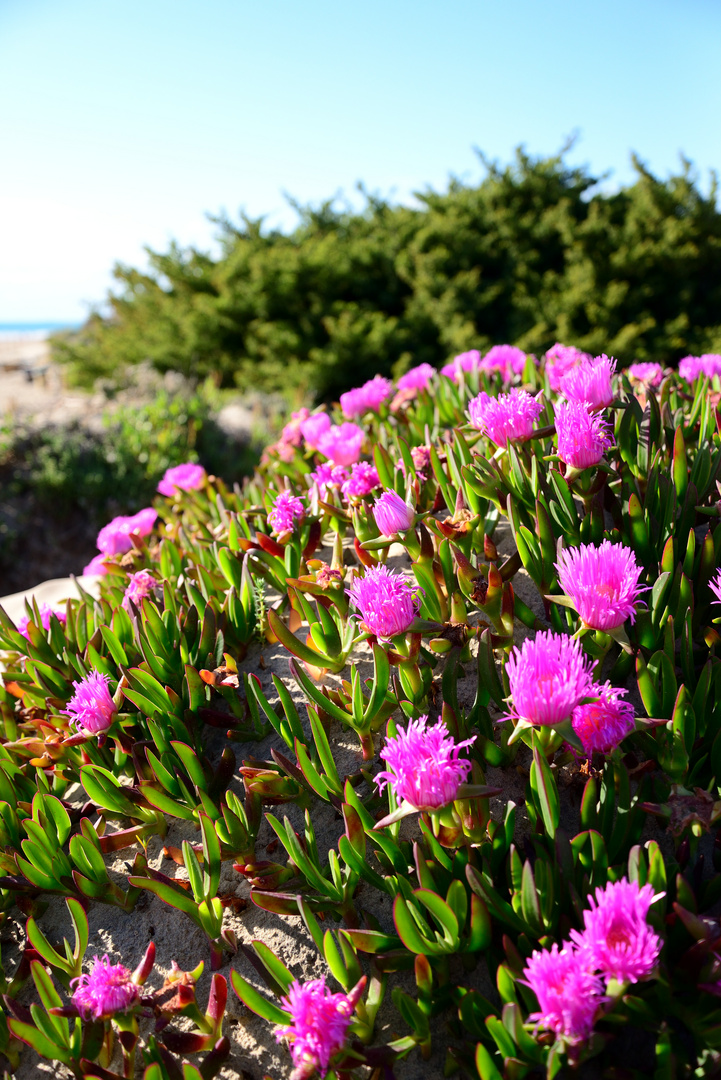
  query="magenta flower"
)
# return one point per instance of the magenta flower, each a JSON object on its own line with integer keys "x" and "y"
{"x": 549, "y": 676}
{"x": 96, "y": 566}
{"x": 417, "y": 378}
{"x": 342, "y": 443}
{"x": 508, "y": 416}
{"x": 602, "y": 725}
{"x": 650, "y": 374}
{"x": 366, "y": 398}
{"x": 328, "y": 476}
{"x": 291, "y": 434}
{"x": 392, "y": 513}
{"x": 591, "y": 382}
{"x": 363, "y": 479}
{"x": 583, "y": 438}
{"x": 602, "y": 582}
{"x": 464, "y": 362}
{"x": 716, "y": 588}
{"x": 692, "y": 366}
{"x": 425, "y": 768}
{"x": 560, "y": 359}
{"x": 139, "y": 586}
{"x": 617, "y": 940}
{"x": 107, "y": 989}
{"x": 318, "y": 1027}
{"x": 46, "y": 612}
{"x": 288, "y": 510}
{"x": 313, "y": 427}
{"x": 505, "y": 359}
{"x": 91, "y": 708}
{"x": 568, "y": 993}
{"x": 187, "y": 477}
{"x": 114, "y": 538}
{"x": 388, "y": 602}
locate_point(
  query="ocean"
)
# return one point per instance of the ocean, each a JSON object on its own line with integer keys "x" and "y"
{"x": 33, "y": 330}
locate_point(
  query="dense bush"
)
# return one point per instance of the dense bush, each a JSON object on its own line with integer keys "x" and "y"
{"x": 535, "y": 253}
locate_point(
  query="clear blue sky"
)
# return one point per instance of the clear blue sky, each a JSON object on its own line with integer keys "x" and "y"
{"x": 123, "y": 123}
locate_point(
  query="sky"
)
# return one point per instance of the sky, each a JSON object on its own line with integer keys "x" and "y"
{"x": 124, "y": 125}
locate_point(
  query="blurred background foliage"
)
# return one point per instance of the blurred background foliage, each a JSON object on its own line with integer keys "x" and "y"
{"x": 535, "y": 253}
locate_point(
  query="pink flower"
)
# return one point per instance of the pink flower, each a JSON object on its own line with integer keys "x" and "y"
{"x": 46, "y": 612}
{"x": 561, "y": 359}
{"x": 287, "y": 511}
{"x": 650, "y": 374}
{"x": 292, "y": 432}
{"x": 187, "y": 477}
{"x": 392, "y": 513}
{"x": 582, "y": 438}
{"x": 716, "y": 588}
{"x": 366, "y": 398}
{"x": 602, "y": 582}
{"x": 467, "y": 361}
{"x": 91, "y": 708}
{"x": 508, "y": 416}
{"x": 617, "y": 940}
{"x": 692, "y": 366}
{"x": 107, "y": 989}
{"x": 417, "y": 378}
{"x": 602, "y": 725}
{"x": 312, "y": 428}
{"x": 328, "y": 476}
{"x": 342, "y": 443}
{"x": 96, "y": 566}
{"x": 363, "y": 479}
{"x": 591, "y": 382}
{"x": 388, "y": 602}
{"x": 568, "y": 993}
{"x": 421, "y": 457}
{"x": 548, "y": 676}
{"x": 140, "y": 585}
{"x": 319, "y": 1022}
{"x": 506, "y": 359}
{"x": 426, "y": 770}
{"x": 114, "y": 538}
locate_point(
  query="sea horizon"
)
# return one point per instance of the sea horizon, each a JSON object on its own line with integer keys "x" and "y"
{"x": 34, "y": 330}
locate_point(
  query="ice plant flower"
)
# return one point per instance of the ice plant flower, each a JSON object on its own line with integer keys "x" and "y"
{"x": 591, "y": 382}
{"x": 96, "y": 566}
{"x": 508, "y": 416}
{"x": 187, "y": 477}
{"x": 342, "y": 443}
{"x": 91, "y": 708}
{"x": 105, "y": 990}
{"x": 417, "y": 378}
{"x": 506, "y": 359}
{"x": 617, "y": 940}
{"x": 602, "y": 582}
{"x": 716, "y": 588}
{"x": 46, "y": 612}
{"x": 425, "y": 769}
{"x": 583, "y": 438}
{"x": 602, "y": 725}
{"x": 568, "y": 993}
{"x": 366, "y": 398}
{"x": 313, "y": 427}
{"x": 692, "y": 366}
{"x": 388, "y": 602}
{"x": 561, "y": 359}
{"x": 318, "y": 1025}
{"x": 650, "y": 374}
{"x": 328, "y": 476}
{"x": 549, "y": 676}
{"x": 139, "y": 586}
{"x": 464, "y": 362}
{"x": 287, "y": 511}
{"x": 362, "y": 480}
{"x": 114, "y": 538}
{"x": 392, "y": 513}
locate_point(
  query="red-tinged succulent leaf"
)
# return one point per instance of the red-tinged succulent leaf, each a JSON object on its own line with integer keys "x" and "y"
{"x": 256, "y": 1002}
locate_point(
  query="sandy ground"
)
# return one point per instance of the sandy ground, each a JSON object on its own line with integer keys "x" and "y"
{"x": 31, "y": 385}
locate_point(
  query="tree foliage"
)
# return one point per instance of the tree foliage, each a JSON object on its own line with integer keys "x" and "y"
{"x": 535, "y": 253}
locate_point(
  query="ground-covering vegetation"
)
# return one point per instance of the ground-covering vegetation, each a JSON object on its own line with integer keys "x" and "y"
{"x": 544, "y": 532}
{"x": 535, "y": 253}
